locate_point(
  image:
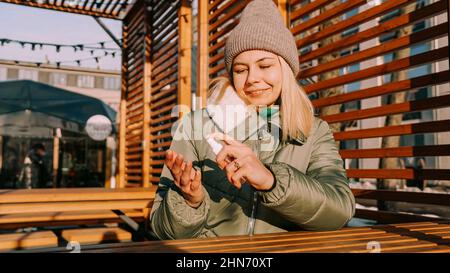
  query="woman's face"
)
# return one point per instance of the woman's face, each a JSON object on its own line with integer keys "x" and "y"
{"x": 257, "y": 77}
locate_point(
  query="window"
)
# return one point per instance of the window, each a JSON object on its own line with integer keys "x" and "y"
{"x": 58, "y": 79}
{"x": 112, "y": 83}
{"x": 12, "y": 74}
{"x": 85, "y": 81}
{"x": 26, "y": 74}
{"x": 3, "y": 74}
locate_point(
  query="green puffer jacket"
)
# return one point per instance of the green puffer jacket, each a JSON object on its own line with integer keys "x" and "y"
{"x": 311, "y": 190}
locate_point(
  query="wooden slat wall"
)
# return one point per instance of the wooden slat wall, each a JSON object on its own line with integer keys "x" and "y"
{"x": 223, "y": 16}
{"x": 308, "y": 35}
{"x": 170, "y": 83}
{"x": 156, "y": 71}
{"x": 135, "y": 42}
{"x": 306, "y": 20}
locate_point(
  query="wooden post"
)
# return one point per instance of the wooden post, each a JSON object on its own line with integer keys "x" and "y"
{"x": 283, "y": 7}
{"x": 55, "y": 157}
{"x": 110, "y": 146}
{"x": 1, "y": 153}
{"x": 184, "y": 54}
{"x": 120, "y": 180}
{"x": 202, "y": 52}
{"x": 147, "y": 98}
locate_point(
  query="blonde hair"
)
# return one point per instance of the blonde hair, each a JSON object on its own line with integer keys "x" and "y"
{"x": 295, "y": 121}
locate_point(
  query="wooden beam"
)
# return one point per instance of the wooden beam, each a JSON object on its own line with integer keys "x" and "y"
{"x": 120, "y": 180}
{"x": 55, "y": 159}
{"x": 1, "y": 153}
{"x": 147, "y": 98}
{"x": 284, "y": 10}
{"x": 184, "y": 54}
{"x": 202, "y": 52}
{"x": 69, "y": 9}
{"x": 110, "y": 146}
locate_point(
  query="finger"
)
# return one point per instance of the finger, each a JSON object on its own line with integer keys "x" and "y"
{"x": 226, "y": 138}
{"x": 234, "y": 165}
{"x": 192, "y": 177}
{"x": 195, "y": 184}
{"x": 227, "y": 155}
{"x": 239, "y": 177}
{"x": 171, "y": 156}
{"x": 176, "y": 168}
{"x": 186, "y": 175}
{"x": 231, "y": 168}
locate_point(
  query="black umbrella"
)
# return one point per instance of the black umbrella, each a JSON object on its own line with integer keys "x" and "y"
{"x": 27, "y": 106}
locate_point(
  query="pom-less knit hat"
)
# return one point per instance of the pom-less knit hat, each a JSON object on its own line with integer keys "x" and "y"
{"x": 261, "y": 27}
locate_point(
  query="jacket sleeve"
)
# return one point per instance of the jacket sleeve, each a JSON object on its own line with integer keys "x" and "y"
{"x": 171, "y": 217}
{"x": 318, "y": 200}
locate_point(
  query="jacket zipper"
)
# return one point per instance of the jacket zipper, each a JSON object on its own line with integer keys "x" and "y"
{"x": 251, "y": 221}
{"x": 252, "y": 218}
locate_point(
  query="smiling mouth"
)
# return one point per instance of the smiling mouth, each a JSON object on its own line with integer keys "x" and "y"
{"x": 256, "y": 93}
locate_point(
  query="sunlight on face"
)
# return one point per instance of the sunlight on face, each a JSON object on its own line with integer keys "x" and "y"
{"x": 257, "y": 77}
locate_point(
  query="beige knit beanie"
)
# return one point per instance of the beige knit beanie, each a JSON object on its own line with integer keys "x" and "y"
{"x": 261, "y": 27}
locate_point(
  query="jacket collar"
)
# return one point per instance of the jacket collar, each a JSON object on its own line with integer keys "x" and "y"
{"x": 272, "y": 115}
{"x": 249, "y": 122}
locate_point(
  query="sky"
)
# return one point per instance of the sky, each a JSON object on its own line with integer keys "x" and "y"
{"x": 41, "y": 25}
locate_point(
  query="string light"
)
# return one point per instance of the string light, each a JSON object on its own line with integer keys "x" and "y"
{"x": 59, "y": 63}
{"x": 78, "y": 46}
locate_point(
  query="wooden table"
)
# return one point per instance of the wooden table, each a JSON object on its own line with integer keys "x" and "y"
{"x": 426, "y": 237}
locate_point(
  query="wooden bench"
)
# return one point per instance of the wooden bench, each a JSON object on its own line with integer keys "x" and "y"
{"x": 96, "y": 235}
{"x": 388, "y": 217}
{"x": 37, "y": 239}
{"x": 65, "y": 208}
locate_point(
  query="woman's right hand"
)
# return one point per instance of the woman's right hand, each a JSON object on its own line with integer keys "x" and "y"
{"x": 186, "y": 178}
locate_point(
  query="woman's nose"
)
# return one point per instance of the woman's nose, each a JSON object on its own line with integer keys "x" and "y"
{"x": 253, "y": 76}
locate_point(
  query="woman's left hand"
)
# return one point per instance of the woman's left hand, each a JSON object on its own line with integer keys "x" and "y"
{"x": 242, "y": 165}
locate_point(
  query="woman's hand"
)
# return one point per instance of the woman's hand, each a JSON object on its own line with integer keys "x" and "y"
{"x": 242, "y": 165}
{"x": 186, "y": 178}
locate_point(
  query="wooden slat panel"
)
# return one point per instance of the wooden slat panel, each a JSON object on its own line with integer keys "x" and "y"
{"x": 389, "y": 88}
{"x": 309, "y": 8}
{"x": 415, "y": 151}
{"x": 412, "y": 197}
{"x": 385, "y": 217}
{"x": 405, "y": 107}
{"x": 233, "y": 12}
{"x": 419, "y": 128}
{"x": 327, "y": 15}
{"x": 396, "y": 23}
{"x": 408, "y": 62}
{"x": 439, "y": 174}
{"x": 400, "y": 43}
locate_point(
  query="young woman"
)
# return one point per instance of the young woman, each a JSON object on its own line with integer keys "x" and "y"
{"x": 297, "y": 183}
